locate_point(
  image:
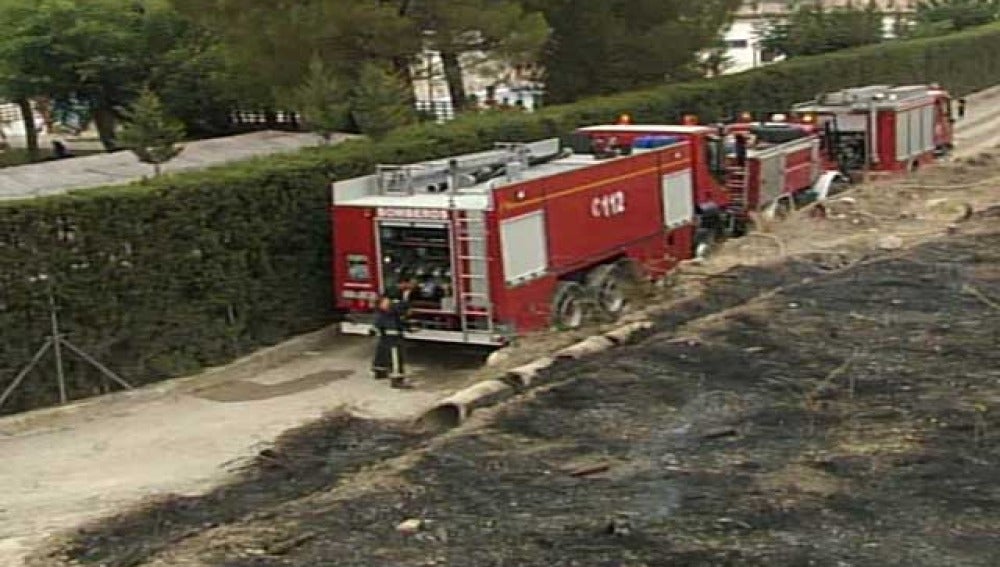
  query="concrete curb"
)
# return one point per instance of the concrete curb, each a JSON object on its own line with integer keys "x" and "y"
{"x": 456, "y": 408}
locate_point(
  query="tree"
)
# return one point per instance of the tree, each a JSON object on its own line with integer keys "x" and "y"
{"x": 716, "y": 59}
{"x": 274, "y": 41}
{"x": 322, "y": 101}
{"x": 379, "y": 102}
{"x": 93, "y": 52}
{"x": 150, "y": 133}
{"x": 812, "y": 29}
{"x": 467, "y": 33}
{"x": 944, "y": 16}
{"x": 23, "y": 49}
{"x": 192, "y": 76}
{"x": 606, "y": 46}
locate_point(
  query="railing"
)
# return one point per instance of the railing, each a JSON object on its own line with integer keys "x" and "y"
{"x": 264, "y": 120}
{"x": 442, "y": 111}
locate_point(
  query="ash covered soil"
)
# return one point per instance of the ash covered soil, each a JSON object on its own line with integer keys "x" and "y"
{"x": 800, "y": 413}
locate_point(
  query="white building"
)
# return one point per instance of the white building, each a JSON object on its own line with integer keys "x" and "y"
{"x": 12, "y": 124}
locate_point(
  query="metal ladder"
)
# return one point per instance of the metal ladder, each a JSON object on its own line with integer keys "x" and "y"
{"x": 450, "y": 175}
{"x": 736, "y": 186}
{"x": 474, "y": 302}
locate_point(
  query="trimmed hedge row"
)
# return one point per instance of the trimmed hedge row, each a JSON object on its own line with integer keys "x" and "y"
{"x": 192, "y": 270}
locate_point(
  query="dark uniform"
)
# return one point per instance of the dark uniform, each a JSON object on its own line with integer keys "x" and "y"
{"x": 390, "y": 328}
{"x": 740, "y": 141}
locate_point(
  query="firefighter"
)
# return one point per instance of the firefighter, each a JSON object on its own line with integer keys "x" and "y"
{"x": 740, "y": 149}
{"x": 389, "y": 327}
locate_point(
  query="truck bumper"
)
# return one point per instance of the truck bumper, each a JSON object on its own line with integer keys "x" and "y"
{"x": 432, "y": 335}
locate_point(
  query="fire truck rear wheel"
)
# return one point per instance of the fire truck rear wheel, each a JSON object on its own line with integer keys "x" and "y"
{"x": 606, "y": 283}
{"x": 782, "y": 209}
{"x": 704, "y": 242}
{"x": 569, "y": 306}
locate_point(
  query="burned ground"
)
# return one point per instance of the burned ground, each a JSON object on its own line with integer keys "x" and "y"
{"x": 803, "y": 414}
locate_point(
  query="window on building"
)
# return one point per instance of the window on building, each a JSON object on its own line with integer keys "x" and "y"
{"x": 737, "y": 43}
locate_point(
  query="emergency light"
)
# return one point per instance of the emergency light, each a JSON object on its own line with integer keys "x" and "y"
{"x": 690, "y": 120}
{"x": 624, "y": 119}
{"x": 746, "y": 117}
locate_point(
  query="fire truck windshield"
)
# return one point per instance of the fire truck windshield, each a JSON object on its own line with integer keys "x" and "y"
{"x": 422, "y": 256}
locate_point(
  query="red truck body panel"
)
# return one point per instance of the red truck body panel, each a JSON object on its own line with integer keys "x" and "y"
{"x": 707, "y": 188}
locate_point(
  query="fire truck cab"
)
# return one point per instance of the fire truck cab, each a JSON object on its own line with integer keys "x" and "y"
{"x": 880, "y": 129}
{"x": 513, "y": 240}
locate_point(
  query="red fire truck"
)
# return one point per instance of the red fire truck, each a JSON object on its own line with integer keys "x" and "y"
{"x": 512, "y": 240}
{"x": 879, "y": 129}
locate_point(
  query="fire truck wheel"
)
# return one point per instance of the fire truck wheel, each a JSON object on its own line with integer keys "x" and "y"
{"x": 704, "y": 243}
{"x": 568, "y": 306}
{"x": 782, "y": 209}
{"x": 606, "y": 284}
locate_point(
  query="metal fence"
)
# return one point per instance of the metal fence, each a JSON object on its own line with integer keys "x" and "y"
{"x": 441, "y": 110}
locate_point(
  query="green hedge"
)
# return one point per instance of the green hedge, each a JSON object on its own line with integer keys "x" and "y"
{"x": 191, "y": 270}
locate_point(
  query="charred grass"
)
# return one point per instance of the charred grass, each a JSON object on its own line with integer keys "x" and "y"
{"x": 820, "y": 416}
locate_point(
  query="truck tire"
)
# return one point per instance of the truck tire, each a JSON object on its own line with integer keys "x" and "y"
{"x": 783, "y": 209}
{"x": 704, "y": 243}
{"x": 569, "y": 306}
{"x": 607, "y": 285}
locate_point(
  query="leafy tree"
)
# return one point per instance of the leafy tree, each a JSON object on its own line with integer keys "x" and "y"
{"x": 150, "y": 133}
{"x": 605, "y": 46}
{"x": 24, "y": 58}
{"x": 322, "y": 100}
{"x": 194, "y": 80}
{"x": 943, "y": 16}
{"x": 812, "y": 29}
{"x": 98, "y": 53}
{"x": 379, "y": 101}
{"x": 475, "y": 32}
{"x": 273, "y": 41}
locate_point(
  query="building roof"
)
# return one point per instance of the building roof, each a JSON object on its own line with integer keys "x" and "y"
{"x": 120, "y": 168}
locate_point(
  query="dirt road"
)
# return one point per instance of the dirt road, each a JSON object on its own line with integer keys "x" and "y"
{"x": 63, "y": 467}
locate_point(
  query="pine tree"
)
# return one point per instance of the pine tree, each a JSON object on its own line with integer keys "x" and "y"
{"x": 322, "y": 101}
{"x": 379, "y": 102}
{"x": 150, "y": 133}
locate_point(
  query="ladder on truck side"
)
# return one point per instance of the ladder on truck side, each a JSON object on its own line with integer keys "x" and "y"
{"x": 737, "y": 185}
{"x": 475, "y": 304}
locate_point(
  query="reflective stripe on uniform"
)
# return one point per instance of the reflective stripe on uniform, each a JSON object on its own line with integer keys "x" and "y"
{"x": 395, "y": 361}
